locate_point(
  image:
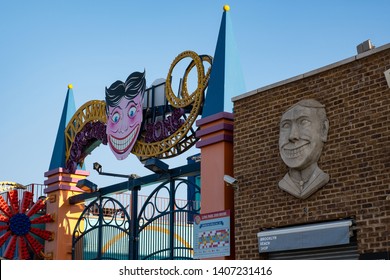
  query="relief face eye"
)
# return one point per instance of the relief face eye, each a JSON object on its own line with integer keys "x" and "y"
{"x": 285, "y": 125}
{"x": 305, "y": 122}
{"x": 115, "y": 118}
{"x": 132, "y": 112}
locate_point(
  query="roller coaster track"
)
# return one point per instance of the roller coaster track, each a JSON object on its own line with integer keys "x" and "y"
{"x": 92, "y": 111}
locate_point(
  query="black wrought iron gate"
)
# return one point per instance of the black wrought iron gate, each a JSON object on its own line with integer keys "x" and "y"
{"x": 104, "y": 221}
{"x": 165, "y": 230}
{"x": 147, "y": 228}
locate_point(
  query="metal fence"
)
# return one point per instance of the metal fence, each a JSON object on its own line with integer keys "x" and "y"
{"x": 132, "y": 226}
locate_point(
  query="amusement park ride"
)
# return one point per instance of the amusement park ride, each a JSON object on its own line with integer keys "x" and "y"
{"x": 152, "y": 123}
{"x": 21, "y": 219}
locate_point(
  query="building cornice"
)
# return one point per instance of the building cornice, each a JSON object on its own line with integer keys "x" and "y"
{"x": 313, "y": 72}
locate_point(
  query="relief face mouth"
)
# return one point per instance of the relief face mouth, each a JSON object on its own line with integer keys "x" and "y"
{"x": 121, "y": 145}
{"x": 294, "y": 152}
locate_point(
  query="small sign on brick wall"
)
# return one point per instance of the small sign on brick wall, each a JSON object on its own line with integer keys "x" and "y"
{"x": 212, "y": 235}
{"x": 305, "y": 236}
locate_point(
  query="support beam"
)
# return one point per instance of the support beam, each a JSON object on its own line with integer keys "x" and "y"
{"x": 182, "y": 171}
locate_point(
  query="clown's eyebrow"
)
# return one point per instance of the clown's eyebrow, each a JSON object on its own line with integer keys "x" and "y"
{"x": 127, "y": 105}
{"x": 131, "y": 101}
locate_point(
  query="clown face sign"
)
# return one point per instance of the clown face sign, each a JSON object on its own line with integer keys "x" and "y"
{"x": 124, "y": 113}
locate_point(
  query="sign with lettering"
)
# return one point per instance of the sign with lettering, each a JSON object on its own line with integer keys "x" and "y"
{"x": 212, "y": 235}
{"x": 305, "y": 236}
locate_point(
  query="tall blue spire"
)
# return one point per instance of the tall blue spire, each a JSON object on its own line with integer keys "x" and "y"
{"x": 226, "y": 78}
{"x": 58, "y": 156}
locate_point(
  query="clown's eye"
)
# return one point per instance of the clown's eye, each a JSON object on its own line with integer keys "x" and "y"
{"x": 132, "y": 112}
{"x": 115, "y": 118}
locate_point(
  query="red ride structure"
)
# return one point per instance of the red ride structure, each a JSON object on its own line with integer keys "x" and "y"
{"x": 17, "y": 220}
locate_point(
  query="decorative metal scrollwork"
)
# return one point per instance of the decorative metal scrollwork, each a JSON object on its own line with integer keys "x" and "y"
{"x": 107, "y": 216}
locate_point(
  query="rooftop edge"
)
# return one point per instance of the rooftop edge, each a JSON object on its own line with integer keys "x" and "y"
{"x": 313, "y": 72}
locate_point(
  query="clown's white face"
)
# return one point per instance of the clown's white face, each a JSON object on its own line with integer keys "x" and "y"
{"x": 123, "y": 125}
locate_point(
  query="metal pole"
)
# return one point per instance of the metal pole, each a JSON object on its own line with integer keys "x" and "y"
{"x": 134, "y": 224}
{"x": 100, "y": 230}
{"x": 172, "y": 218}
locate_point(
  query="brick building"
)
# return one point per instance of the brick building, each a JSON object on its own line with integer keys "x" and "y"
{"x": 356, "y": 156}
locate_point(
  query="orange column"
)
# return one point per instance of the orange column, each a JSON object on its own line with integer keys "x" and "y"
{"x": 61, "y": 186}
{"x": 216, "y": 144}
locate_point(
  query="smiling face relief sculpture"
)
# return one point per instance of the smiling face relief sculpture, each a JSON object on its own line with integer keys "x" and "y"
{"x": 303, "y": 132}
{"x": 124, "y": 113}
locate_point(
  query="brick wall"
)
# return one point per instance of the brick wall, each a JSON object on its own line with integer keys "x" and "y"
{"x": 356, "y": 156}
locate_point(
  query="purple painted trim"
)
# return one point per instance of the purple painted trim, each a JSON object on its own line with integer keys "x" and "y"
{"x": 162, "y": 129}
{"x": 54, "y": 171}
{"x": 214, "y": 128}
{"x": 215, "y": 139}
{"x": 63, "y": 170}
{"x": 62, "y": 188}
{"x": 212, "y": 118}
{"x": 84, "y": 140}
{"x": 66, "y": 179}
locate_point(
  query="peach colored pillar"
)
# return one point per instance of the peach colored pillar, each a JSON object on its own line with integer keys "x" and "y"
{"x": 61, "y": 186}
{"x": 216, "y": 144}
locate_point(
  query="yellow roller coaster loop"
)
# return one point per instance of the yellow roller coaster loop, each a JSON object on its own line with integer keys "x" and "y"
{"x": 182, "y": 139}
{"x": 91, "y": 111}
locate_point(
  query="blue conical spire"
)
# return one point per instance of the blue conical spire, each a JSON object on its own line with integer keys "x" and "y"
{"x": 226, "y": 78}
{"x": 58, "y": 156}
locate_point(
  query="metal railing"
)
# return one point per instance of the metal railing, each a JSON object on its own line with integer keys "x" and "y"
{"x": 160, "y": 203}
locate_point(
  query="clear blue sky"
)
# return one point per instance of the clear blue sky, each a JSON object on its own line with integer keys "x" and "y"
{"x": 46, "y": 45}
